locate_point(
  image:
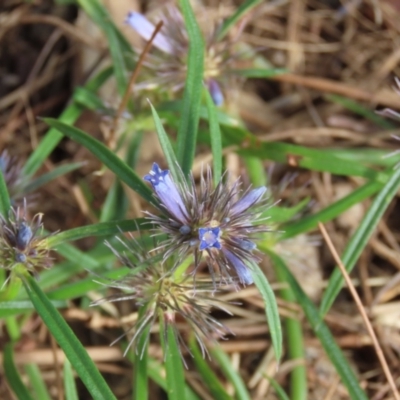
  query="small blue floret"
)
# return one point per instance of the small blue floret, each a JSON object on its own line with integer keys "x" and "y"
{"x": 209, "y": 237}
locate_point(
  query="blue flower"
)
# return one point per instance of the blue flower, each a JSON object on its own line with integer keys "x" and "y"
{"x": 219, "y": 225}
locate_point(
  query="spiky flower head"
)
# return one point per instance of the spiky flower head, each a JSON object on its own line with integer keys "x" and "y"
{"x": 218, "y": 224}
{"x": 168, "y": 60}
{"x": 166, "y": 298}
{"x": 22, "y": 241}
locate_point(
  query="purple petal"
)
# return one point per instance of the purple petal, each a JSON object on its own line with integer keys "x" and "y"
{"x": 209, "y": 237}
{"x": 145, "y": 29}
{"x": 242, "y": 271}
{"x": 23, "y": 237}
{"x": 215, "y": 92}
{"x": 167, "y": 192}
{"x": 248, "y": 200}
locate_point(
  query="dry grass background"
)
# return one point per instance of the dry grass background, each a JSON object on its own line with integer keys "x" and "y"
{"x": 350, "y": 48}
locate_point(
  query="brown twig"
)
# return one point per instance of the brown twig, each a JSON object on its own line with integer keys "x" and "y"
{"x": 134, "y": 75}
{"x": 362, "y": 311}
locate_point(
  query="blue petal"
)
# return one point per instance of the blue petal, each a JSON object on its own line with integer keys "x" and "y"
{"x": 145, "y": 29}
{"x": 167, "y": 192}
{"x": 248, "y": 200}
{"x": 209, "y": 237}
{"x": 242, "y": 271}
{"x": 215, "y": 92}
{"x": 23, "y": 237}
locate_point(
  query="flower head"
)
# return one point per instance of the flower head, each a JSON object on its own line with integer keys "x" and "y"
{"x": 167, "y": 299}
{"x": 219, "y": 224}
{"x": 168, "y": 60}
{"x": 21, "y": 241}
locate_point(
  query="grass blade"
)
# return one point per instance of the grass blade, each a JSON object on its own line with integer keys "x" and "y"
{"x": 166, "y": 146}
{"x": 322, "y": 331}
{"x": 360, "y": 238}
{"x": 106, "y": 156}
{"x": 215, "y": 137}
{"x": 242, "y": 10}
{"x": 187, "y": 132}
{"x": 69, "y": 382}
{"x": 271, "y": 308}
{"x": 12, "y": 375}
{"x": 4, "y": 197}
{"x": 71, "y": 346}
{"x": 37, "y": 382}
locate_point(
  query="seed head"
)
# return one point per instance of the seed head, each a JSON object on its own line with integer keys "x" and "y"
{"x": 167, "y": 298}
{"x": 218, "y": 224}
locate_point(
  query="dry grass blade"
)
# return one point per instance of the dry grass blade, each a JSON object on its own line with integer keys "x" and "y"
{"x": 134, "y": 76}
{"x": 362, "y": 311}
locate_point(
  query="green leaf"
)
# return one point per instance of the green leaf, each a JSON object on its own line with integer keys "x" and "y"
{"x": 322, "y": 331}
{"x": 69, "y": 382}
{"x": 329, "y": 213}
{"x": 106, "y": 156}
{"x": 166, "y": 146}
{"x": 173, "y": 365}
{"x": 279, "y": 215}
{"x": 215, "y": 138}
{"x": 53, "y": 137}
{"x": 5, "y": 204}
{"x": 360, "y": 238}
{"x": 37, "y": 382}
{"x": 260, "y": 72}
{"x": 278, "y": 389}
{"x": 100, "y": 229}
{"x": 187, "y": 132}
{"x": 49, "y": 176}
{"x": 207, "y": 374}
{"x": 12, "y": 375}
{"x": 71, "y": 346}
{"x": 231, "y": 374}
{"x": 245, "y": 7}
{"x": 271, "y": 308}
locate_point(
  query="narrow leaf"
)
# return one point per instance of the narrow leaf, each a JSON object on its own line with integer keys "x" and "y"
{"x": 215, "y": 137}
{"x": 69, "y": 382}
{"x": 271, "y": 309}
{"x": 4, "y": 197}
{"x": 187, "y": 132}
{"x": 322, "y": 331}
{"x": 245, "y": 7}
{"x": 37, "y": 382}
{"x": 166, "y": 145}
{"x": 71, "y": 346}
{"x": 106, "y": 156}
{"x": 360, "y": 238}
{"x": 12, "y": 374}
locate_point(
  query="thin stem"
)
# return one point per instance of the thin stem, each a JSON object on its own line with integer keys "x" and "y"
{"x": 362, "y": 311}
{"x": 134, "y": 75}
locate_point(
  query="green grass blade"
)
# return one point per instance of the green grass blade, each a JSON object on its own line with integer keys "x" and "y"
{"x": 360, "y": 238}
{"x": 49, "y": 176}
{"x": 322, "y": 331}
{"x": 53, "y": 137}
{"x": 215, "y": 137}
{"x": 279, "y": 390}
{"x": 69, "y": 382}
{"x": 106, "y": 156}
{"x": 271, "y": 309}
{"x": 173, "y": 366}
{"x": 207, "y": 374}
{"x": 245, "y": 7}
{"x": 70, "y": 344}
{"x": 260, "y": 72}
{"x": 166, "y": 146}
{"x": 12, "y": 375}
{"x": 100, "y": 229}
{"x": 329, "y": 213}
{"x": 233, "y": 376}
{"x": 187, "y": 132}
{"x": 37, "y": 382}
{"x": 4, "y": 197}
